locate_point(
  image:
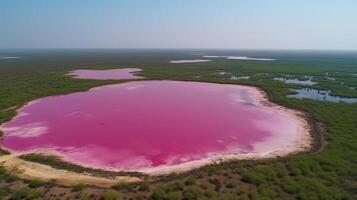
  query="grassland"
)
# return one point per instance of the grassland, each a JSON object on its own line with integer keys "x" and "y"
{"x": 330, "y": 173}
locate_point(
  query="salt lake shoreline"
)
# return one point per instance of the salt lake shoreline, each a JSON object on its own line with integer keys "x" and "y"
{"x": 305, "y": 144}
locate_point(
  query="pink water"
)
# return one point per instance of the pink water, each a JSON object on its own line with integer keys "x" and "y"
{"x": 144, "y": 124}
{"x": 115, "y": 74}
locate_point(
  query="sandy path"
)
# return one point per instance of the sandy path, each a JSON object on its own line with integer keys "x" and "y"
{"x": 31, "y": 170}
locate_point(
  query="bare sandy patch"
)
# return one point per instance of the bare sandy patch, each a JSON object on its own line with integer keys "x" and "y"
{"x": 31, "y": 170}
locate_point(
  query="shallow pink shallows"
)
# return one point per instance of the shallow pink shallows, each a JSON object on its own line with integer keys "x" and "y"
{"x": 143, "y": 124}
{"x": 114, "y": 74}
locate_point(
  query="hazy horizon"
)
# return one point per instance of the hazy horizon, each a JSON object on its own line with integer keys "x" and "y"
{"x": 226, "y": 24}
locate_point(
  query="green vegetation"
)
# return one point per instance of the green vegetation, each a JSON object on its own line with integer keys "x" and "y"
{"x": 324, "y": 173}
{"x": 78, "y": 187}
{"x": 109, "y": 195}
{"x": 26, "y": 193}
{"x": 35, "y": 183}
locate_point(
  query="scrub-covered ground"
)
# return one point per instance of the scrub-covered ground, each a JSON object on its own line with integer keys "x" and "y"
{"x": 327, "y": 172}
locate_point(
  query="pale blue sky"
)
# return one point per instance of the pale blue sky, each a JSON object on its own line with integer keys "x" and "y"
{"x": 238, "y": 24}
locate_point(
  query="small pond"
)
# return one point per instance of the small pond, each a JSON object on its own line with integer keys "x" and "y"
{"x": 320, "y": 95}
{"x": 296, "y": 81}
{"x": 109, "y": 74}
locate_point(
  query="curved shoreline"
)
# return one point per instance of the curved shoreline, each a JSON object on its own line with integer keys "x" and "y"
{"x": 261, "y": 98}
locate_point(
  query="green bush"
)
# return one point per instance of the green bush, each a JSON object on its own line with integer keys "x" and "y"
{"x": 109, "y": 195}
{"x": 78, "y": 187}
{"x": 193, "y": 193}
{"x": 145, "y": 186}
{"x": 35, "y": 183}
{"x": 26, "y": 193}
{"x": 232, "y": 183}
{"x": 2, "y": 170}
{"x": 122, "y": 186}
{"x": 11, "y": 178}
{"x": 34, "y": 194}
{"x": 5, "y": 152}
{"x": 191, "y": 180}
{"x": 253, "y": 177}
{"x": 84, "y": 196}
{"x": 158, "y": 194}
{"x": 21, "y": 193}
{"x": 229, "y": 196}
{"x": 216, "y": 182}
{"x": 174, "y": 196}
{"x": 210, "y": 193}
{"x": 3, "y": 193}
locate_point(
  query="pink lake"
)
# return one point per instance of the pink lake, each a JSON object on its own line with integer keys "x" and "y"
{"x": 114, "y": 74}
{"x": 144, "y": 125}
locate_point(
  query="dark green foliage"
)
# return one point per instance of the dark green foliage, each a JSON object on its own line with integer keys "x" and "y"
{"x": 158, "y": 194}
{"x": 3, "y": 193}
{"x": 216, "y": 183}
{"x": 193, "y": 193}
{"x": 167, "y": 192}
{"x": 78, "y": 187}
{"x": 10, "y": 178}
{"x": 229, "y": 196}
{"x": 26, "y": 193}
{"x": 122, "y": 186}
{"x": 109, "y": 195}
{"x": 191, "y": 180}
{"x": 145, "y": 186}
{"x": 252, "y": 176}
{"x": 35, "y": 183}
{"x": 232, "y": 183}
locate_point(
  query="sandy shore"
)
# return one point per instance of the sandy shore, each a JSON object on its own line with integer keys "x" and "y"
{"x": 31, "y": 170}
{"x": 302, "y": 142}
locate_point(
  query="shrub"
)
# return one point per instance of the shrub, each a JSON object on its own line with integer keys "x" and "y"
{"x": 144, "y": 186}
{"x": 3, "y": 193}
{"x": 158, "y": 194}
{"x": 232, "y": 183}
{"x": 216, "y": 183}
{"x": 193, "y": 192}
{"x": 34, "y": 194}
{"x": 229, "y": 196}
{"x": 20, "y": 193}
{"x": 210, "y": 193}
{"x": 84, "y": 196}
{"x": 2, "y": 170}
{"x": 78, "y": 187}
{"x": 5, "y": 152}
{"x": 174, "y": 196}
{"x": 122, "y": 186}
{"x": 26, "y": 193}
{"x": 253, "y": 177}
{"x": 35, "y": 183}
{"x": 191, "y": 180}
{"x": 11, "y": 178}
{"x": 109, "y": 195}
